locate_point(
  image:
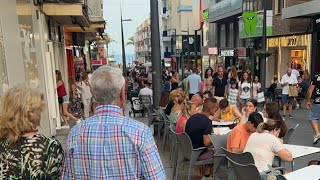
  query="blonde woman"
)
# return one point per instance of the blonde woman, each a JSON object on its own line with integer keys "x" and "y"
{"x": 177, "y": 99}
{"x": 63, "y": 100}
{"x": 24, "y": 154}
{"x": 265, "y": 144}
{"x": 189, "y": 110}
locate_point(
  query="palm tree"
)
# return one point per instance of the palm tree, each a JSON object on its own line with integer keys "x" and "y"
{"x": 130, "y": 41}
{"x": 108, "y": 40}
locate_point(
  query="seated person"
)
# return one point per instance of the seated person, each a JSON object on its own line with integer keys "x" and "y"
{"x": 207, "y": 94}
{"x": 199, "y": 127}
{"x": 265, "y": 144}
{"x": 250, "y": 107}
{"x": 197, "y": 99}
{"x": 178, "y": 99}
{"x": 239, "y": 135}
{"x": 146, "y": 91}
{"x": 227, "y": 112}
{"x": 189, "y": 109}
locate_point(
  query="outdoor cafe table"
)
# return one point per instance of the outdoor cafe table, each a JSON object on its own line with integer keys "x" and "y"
{"x": 300, "y": 151}
{"x": 221, "y": 124}
{"x": 308, "y": 173}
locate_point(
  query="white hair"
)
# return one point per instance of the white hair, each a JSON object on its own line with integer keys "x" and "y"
{"x": 106, "y": 84}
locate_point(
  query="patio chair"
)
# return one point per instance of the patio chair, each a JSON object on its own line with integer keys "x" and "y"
{"x": 287, "y": 136}
{"x": 188, "y": 154}
{"x": 220, "y": 161}
{"x": 153, "y": 121}
{"x": 286, "y": 140}
{"x": 166, "y": 131}
{"x": 245, "y": 158}
{"x": 245, "y": 172}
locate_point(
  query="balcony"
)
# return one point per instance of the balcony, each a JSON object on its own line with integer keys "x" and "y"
{"x": 68, "y": 12}
{"x": 225, "y": 9}
{"x": 165, "y": 36}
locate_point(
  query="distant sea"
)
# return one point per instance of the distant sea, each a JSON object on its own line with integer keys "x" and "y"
{"x": 129, "y": 58}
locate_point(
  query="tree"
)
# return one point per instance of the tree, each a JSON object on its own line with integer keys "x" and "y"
{"x": 108, "y": 40}
{"x": 130, "y": 41}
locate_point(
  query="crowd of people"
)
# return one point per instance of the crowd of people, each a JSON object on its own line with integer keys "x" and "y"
{"x": 109, "y": 145}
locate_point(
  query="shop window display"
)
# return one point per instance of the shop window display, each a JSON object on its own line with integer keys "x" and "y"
{"x": 28, "y": 41}
{"x": 3, "y": 70}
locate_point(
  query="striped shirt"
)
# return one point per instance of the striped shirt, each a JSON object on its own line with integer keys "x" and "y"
{"x": 111, "y": 146}
{"x": 233, "y": 96}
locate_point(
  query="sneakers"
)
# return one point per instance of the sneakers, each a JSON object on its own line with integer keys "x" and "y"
{"x": 316, "y": 139}
{"x": 65, "y": 127}
{"x": 284, "y": 117}
{"x": 290, "y": 116}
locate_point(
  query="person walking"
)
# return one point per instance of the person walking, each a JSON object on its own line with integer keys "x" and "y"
{"x": 194, "y": 83}
{"x": 75, "y": 106}
{"x": 220, "y": 85}
{"x": 86, "y": 95}
{"x": 314, "y": 115}
{"x": 287, "y": 80}
{"x": 109, "y": 145}
{"x": 208, "y": 80}
{"x": 24, "y": 154}
{"x": 245, "y": 89}
{"x": 63, "y": 100}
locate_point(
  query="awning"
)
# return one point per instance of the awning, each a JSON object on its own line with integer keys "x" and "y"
{"x": 304, "y": 10}
{"x": 67, "y": 14}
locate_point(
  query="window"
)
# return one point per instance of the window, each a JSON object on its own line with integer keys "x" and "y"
{"x": 279, "y": 5}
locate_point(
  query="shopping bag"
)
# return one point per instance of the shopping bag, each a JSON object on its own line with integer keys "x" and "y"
{"x": 293, "y": 91}
{"x": 260, "y": 97}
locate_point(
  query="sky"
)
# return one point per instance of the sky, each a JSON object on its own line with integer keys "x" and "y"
{"x": 137, "y": 10}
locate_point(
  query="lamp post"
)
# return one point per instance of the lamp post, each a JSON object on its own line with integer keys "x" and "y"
{"x": 264, "y": 46}
{"x": 124, "y": 63}
{"x": 195, "y": 45}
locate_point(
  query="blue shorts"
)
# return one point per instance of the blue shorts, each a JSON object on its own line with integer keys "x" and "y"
{"x": 314, "y": 114}
{"x": 286, "y": 99}
{"x": 66, "y": 99}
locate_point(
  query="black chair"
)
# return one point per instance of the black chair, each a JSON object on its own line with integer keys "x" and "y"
{"x": 287, "y": 136}
{"x": 220, "y": 162}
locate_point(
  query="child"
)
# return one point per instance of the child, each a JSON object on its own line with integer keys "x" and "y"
{"x": 233, "y": 93}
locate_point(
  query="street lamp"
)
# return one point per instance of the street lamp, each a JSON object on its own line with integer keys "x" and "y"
{"x": 124, "y": 63}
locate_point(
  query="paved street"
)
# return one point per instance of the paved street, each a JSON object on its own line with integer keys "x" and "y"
{"x": 302, "y": 136}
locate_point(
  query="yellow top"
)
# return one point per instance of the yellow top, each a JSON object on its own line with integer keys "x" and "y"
{"x": 229, "y": 116}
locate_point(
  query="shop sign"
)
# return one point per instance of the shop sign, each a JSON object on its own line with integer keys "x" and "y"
{"x": 296, "y": 53}
{"x": 213, "y": 51}
{"x": 227, "y": 53}
{"x": 251, "y": 24}
{"x": 292, "y": 41}
{"x": 242, "y": 52}
{"x": 205, "y": 14}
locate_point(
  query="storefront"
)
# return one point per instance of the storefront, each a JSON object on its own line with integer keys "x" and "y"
{"x": 288, "y": 51}
{"x": 228, "y": 57}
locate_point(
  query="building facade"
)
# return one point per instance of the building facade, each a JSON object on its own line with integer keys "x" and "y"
{"x": 32, "y": 47}
{"x": 142, "y": 42}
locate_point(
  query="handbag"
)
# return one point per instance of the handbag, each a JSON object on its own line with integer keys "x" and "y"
{"x": 293, "y": 91}
{"x": 235, "y": 123}
{"x": 260, "y": 97}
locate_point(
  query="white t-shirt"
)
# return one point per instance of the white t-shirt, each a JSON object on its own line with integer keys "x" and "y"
{"x": 263, "y": 147}
{"x": 290, "y": 80}
{"x": 194, "y": 81}
{"x": 255, "y": 87}
{"x": 245, "y": 93}
{"x": 295, "y": 72}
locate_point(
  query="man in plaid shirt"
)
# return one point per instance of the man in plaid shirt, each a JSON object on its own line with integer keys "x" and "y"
{"x": 109, "y": 145}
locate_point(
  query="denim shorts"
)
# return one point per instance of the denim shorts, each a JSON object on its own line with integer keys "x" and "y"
{"x": 286, "y": 99}
{"x": 244, "y": 101}
{"x": 314, "y": 114}
{"x": 66, "y": 99}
